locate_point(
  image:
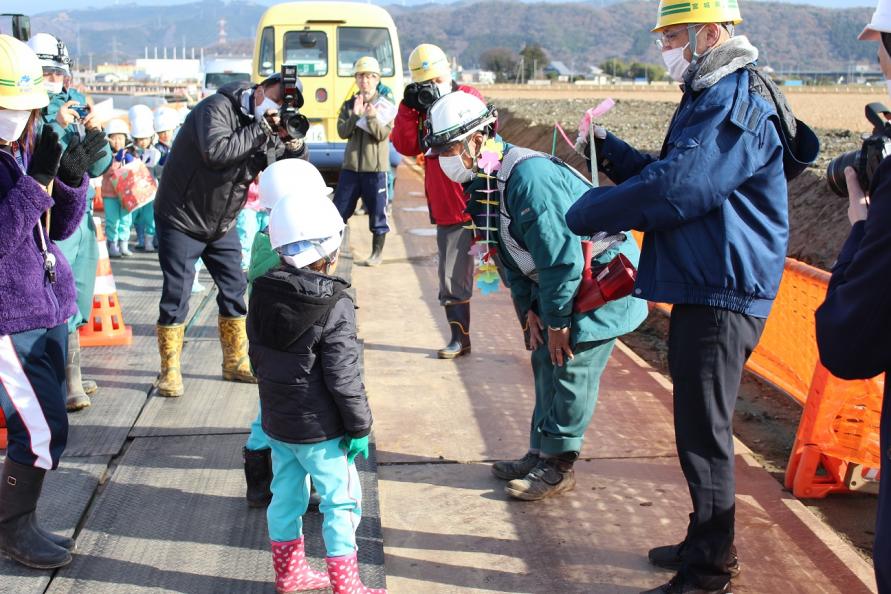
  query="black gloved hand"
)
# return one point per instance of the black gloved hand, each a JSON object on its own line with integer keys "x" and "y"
{"x": 45, "y": 159}
{"x": 79, "y": 156}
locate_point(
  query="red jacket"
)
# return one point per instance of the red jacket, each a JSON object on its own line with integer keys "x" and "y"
{"x": 445, "y": 198}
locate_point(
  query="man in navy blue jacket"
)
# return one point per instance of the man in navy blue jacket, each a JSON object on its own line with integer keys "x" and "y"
{"x": 714, "y": 209}
{"x": 854, "y": 323}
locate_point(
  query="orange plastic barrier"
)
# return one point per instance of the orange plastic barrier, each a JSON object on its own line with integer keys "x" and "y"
{"x": 106, "y": 324}
{"x": 837, "y": 444}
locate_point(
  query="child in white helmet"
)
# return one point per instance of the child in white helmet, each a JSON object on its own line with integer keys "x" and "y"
{"x": 117, "y": 219}
{"x": 288, "y": 179}
{"x": 303, "y": 348}
{"x": 143, "y": 134}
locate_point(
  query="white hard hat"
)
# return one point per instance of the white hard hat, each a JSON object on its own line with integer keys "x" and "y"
{"x": 141, "y": 127}
{"x": 454, "y": 117}
{"x": 304, "y": 231}
{"x": 881, "y": 22}
{"x": 290, "y": 177}
{"x": 137, "y": 111}
{"x": 117, "y": 126}
{"x": 166, "y": 119}
{"x": 51, "y": 52}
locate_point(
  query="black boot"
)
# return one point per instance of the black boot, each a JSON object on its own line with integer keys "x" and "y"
{"x": 258, "y": 475}
{"x": 19, "y": 536}
{"x": 377, "y": 246}
{"x": 458, "y": 316}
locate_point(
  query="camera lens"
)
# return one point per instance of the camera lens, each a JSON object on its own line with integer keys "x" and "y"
{"x": 835, "y": 172}
{"x": 296, "y": 125}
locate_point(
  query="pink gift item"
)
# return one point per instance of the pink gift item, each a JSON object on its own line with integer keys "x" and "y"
{"x": 292, "y": 572}
{"x": 253, "y": 196}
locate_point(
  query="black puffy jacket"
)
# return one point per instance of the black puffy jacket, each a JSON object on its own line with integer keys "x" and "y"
{"x": 301, "y": 326}
{"x": 216, "y": 154}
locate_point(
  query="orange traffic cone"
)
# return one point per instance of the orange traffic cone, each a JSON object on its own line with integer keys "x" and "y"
{"x": 98, "y": 204}
{"x": 106, "y": 324}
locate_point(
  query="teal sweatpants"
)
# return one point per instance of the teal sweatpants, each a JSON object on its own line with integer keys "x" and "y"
{"x": 144, "y": 218}
{"x": 565, "y": 397}
{"x": 82, "y": 254}
{"x": 337, "y": 482}
{"x": 257, "y": 438}
{"x": 117, "y": 220}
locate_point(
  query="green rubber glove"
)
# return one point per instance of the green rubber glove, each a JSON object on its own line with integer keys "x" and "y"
{"x": 355, "y": 446}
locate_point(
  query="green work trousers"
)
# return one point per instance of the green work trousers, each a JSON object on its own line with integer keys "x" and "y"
{"x": 565, "y": 397}
{"x": 82, "y": 254}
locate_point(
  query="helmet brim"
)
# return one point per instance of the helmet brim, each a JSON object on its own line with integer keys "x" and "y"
{"x": 869, "y": 34}
{"x": 37, "y": 99}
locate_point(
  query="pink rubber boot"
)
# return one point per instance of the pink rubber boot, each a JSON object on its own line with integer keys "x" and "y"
{"x": 344, "y": 574}
{"x": 292, "y": 572}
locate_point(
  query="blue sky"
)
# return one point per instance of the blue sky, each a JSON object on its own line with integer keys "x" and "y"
{"x": 35, "y": 6}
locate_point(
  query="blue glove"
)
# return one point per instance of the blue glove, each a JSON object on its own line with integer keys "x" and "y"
{"x": 355, "y": 446}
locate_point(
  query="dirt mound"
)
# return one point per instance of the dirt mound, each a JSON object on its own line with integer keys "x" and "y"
{"x": 818, "y": 218}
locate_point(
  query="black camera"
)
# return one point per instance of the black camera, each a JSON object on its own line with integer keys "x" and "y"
{"x": 865, "y": 161}
{"x": 421, "y": 96}
{"x": 293, "y": 124}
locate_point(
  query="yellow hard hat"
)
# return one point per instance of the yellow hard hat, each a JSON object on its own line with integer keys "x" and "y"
{"x": 367, "y": 64}
{"x": 427, "y": 62}
{"x": 679, "y": 12}
{"x": 21, "y": 76}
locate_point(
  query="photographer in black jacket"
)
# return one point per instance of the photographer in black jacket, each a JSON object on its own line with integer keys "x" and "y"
{"x": 225, "y": 142}
{"x": 854, "y": 322}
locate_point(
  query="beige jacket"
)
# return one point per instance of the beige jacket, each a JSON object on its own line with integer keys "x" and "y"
{"x": 366, "y": 152}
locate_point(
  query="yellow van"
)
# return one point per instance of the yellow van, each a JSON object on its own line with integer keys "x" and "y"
{"x": 324, "y": 40}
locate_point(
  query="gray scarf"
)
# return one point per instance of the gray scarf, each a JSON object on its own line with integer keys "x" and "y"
{"x": 720, "y": 61}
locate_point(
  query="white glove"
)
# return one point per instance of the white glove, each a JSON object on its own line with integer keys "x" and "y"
{"x": 581, "y": 143}
{"x": 151, "y": 157}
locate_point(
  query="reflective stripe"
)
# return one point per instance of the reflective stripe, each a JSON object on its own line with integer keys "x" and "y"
{"x": 104, "y": 286}
{"x": 24, "y": 399}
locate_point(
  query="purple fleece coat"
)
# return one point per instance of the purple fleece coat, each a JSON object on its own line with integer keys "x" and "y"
{"x": 28, "y": 300}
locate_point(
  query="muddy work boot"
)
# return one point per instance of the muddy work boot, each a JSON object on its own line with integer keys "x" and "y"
{"x": 20, "y": 537}
{"x": 377, "y": 246}
{"x": 551, "y": 476}
{"x": 233, "y": 340}
{"x": 77, "y": 397}
{"x": 258, "y": 476}
{"x": 509, "y": 470}
{"x": 170, "y": 346}
{"x": 671, "y": 557}
{"x": 458, "y": 316}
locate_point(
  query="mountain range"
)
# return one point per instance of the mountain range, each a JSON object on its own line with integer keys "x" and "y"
{"x": 790, "y": 36}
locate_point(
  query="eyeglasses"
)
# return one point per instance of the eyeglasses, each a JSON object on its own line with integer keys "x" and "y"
{"x": 667, "y": 38}
{"x": 367, "y": 75}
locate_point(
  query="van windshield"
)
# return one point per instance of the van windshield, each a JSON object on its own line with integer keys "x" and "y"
{"x": 215, "y": 80}
{"x": 308, "y": 50}
{"x": 356, "y": 42}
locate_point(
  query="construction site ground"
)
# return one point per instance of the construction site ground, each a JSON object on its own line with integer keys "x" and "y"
{"x": 152, "y": 488}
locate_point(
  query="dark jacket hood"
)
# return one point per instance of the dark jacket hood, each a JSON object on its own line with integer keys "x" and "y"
{"x": 292, "y": 301}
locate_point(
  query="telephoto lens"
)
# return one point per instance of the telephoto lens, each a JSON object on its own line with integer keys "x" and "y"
{"x": 296, "y": 125}
{"x": 835, "y": 172}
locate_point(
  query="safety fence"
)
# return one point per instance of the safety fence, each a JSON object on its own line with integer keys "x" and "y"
{"x": 837, "y": 444}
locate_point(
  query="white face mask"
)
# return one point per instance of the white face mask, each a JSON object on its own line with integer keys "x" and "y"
{"x": 12, "y": 123}
{"x": 267, "y": 105}
{"x": 676, "y": 63}
{"x": 454, "y": 168}
{"x": 53, "y": 88}
{"x": 444, "y": 88}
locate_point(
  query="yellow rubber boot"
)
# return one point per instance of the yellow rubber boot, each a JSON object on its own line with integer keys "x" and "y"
{"x": 233, "y": 339}
{"x": 170, "y": 346}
